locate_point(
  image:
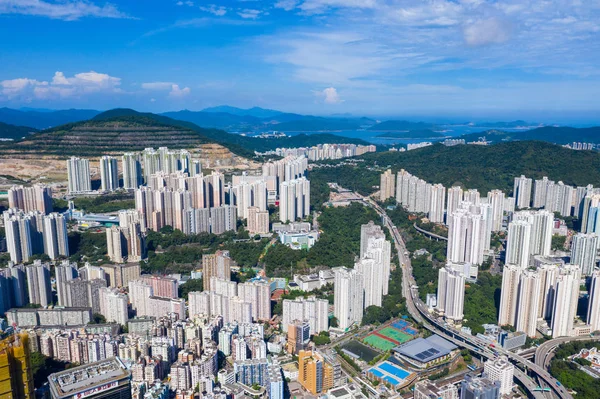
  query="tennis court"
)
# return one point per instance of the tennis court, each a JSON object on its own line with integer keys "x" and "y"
{"x": 379, "y": 342}
{"x": 395, "y": 334}
{"x": 400, "y": 324}
{"x": 411, "y": 331}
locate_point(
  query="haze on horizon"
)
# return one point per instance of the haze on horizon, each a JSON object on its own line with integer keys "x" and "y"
{"x": 478, "y": 59}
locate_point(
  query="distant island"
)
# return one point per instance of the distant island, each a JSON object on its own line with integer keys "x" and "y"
{"x": 412, "y": 134}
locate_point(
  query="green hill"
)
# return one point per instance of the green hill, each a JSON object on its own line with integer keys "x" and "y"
{"x": 13, "y": 132}
{"x": 99, "y": 136}
{"x": 552, "y": 134}
{"x": 494, "y": 166}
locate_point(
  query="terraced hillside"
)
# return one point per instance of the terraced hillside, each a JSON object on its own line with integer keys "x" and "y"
{"x": 95, "y": 137}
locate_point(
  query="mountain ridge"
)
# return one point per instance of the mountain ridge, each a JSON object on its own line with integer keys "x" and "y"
{"x": 494, "y": 166}
{"x": 551, "y": 134}
{"x": 13, "y": 132}
{"x": 124, "y": 129}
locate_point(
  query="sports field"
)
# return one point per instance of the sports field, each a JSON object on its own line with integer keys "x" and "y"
{"x": 391, "y": 336}
{"x": 379, "y": 342}
{"x": 395, "y": 334}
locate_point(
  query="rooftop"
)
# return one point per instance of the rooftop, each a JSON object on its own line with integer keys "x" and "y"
{"x": 93, "y": 375}
{"x": 338, "y": 393}
{"x": 426, "y": 350}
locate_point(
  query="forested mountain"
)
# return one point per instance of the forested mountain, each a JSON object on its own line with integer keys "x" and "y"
{"x": 552, "y": 134}
{"x": 8, "y": 131}
{"x": 493, "y": 166}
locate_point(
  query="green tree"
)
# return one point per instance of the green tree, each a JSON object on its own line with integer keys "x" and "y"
{"x": 97, "y": 318}
{"x": 558, "y": 242}
{"x": 190, "y": 286}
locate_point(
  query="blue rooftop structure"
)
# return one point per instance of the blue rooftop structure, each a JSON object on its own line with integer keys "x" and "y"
{"x": 391, "y": 373}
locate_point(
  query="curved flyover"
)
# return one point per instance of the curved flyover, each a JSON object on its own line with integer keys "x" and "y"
{"x": 429, "y": 233}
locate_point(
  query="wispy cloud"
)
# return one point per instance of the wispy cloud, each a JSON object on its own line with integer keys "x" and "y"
{"x": 486, "y": 31}
{"x": 157, "y": 85}
{"x": 68, "y": 10}
{"x": 321, "y": 6}
{"x": 286, "y": 5}
{"x": 214, "y": 9}
{"x": 248, "y": 13}
{"x": 196, "y": 23}
{"x": 393, "y": 38}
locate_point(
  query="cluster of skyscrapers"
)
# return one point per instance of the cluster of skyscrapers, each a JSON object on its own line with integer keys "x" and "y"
{"x": 29, "y": 199}
{"x": 126, "y": 242}
{"x": 30, "y": 233}
{"x": 244, "y": 302}
{"x": 415, "y": 194}
{"x": 190, "y": 204}
{"x": 531, "y": 295}
{"x": 366, "y": 284}
{"x": 547, "y": 292}
{"x": 136, "y": 169}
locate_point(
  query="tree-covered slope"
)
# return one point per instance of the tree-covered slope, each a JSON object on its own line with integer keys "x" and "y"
{"x": 96, "y": 137}
{"x": 551, "y": 134}
{"x": 494, "y": 166}
{"x": 13, "y": 132}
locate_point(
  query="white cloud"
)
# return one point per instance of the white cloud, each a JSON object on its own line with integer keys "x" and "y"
{"x": 60, "y": 86}
{"x": 487, "y": 31}
{"x": 12, "y": 88}
{"x": 214, "y": 9}
{"x": 329, "y": 96}
{"x": 249, "y": 13}
{"x": 187, "y": 3}
{"x": 68, "y": 10}
{"x": 157, "y": 85}
{"x": 177, "y": 92}
{"x": 286, "y": 5}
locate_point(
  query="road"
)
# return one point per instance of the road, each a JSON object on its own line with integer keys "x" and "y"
{"x": 420, "y": 313}
{"x": 429, "y": 233}
{"x": 545, "y": 352}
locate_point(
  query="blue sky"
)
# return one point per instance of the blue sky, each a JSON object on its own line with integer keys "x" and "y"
{"x": 437, "y": 58}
